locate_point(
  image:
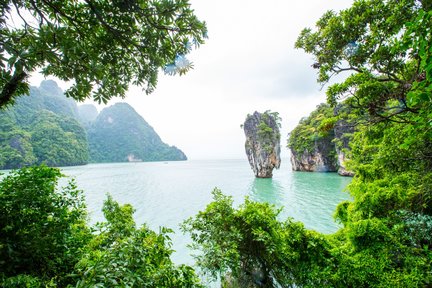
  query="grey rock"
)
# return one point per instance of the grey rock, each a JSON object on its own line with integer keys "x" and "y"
{"x": 262, "y": 143}
{"x": 320, "y": 159}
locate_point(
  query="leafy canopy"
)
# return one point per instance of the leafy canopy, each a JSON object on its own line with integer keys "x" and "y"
{"x": 382, "y": 47}
{"x": 103, "y": 46}
{"x": 46, "y": 242}
{"x": 318, "y": 125}
{"x": 42, "y": 229}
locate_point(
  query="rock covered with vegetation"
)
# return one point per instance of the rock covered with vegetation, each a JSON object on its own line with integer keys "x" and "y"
{"x": 42, "y": 128}
{"x": 120, "y": 134}
{"x": 320, "y": 142}
{"x": 311, "y": 143}
{"x": 263, "y": 142}
{"x": 46, "y": 127}
{"x": 344, "y": 128}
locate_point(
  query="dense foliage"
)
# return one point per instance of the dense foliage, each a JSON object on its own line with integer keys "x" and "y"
{"x": 104, "y": 46}
{"x": 46, "y": 242}
{"x": 58, "y": 141}
{"x": 318, "y": 126}
{"x": 385, "y": 239}
{"x": 46, "y": 127}
{"x": 42, "y": 230}
{"x": 119, "y": 133}
{"x": 42, "y": 128}
{"x": 378, "y": 43}
{"x": 266, "y": 134}
{"x": 249, "y": 247}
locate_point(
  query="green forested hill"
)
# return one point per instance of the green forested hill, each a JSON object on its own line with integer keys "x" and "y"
{"x": 42, "y": 127}
{"x": 120, "y": 134}
{"x": 46, "y": 127}
{"x": 87, "y": 114}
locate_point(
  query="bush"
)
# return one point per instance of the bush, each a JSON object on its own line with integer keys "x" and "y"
{"x": 42, "y": 229}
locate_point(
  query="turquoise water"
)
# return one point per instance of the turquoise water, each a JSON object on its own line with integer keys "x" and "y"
{"x": 166, "y": 193}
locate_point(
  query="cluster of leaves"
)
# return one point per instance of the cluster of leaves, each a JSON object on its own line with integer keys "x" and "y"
{"x": 385, "y": 237}
{"x": 46, "y": 242}
{"x": 121, "y": 255}
{"x": 384, "y": 66}
{"x": 42, "y": 232}
{"x": 249, "y": 247}
{"x": 119, "y": 131}
{"x": 104, "y": 46}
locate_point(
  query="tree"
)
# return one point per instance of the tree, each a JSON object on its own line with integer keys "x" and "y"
{"x": 371, "y": 41}
{"x": 42, "y": 228}
{"x": 122, "y": 255}
{"x": 385, "y": 237}
{"x": 102, "y": 45}
{"x": 46, "y": 242}
{"x": 249, "y": 247}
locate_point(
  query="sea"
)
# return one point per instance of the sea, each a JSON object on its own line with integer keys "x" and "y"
{"x": 164, "y": 194}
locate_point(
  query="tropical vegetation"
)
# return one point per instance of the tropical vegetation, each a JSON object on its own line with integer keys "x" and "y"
{"x": 45, "y": 240}
{"x": 385, "y": 235}
{"x": 46, "y": 127}
{"x": 119, "y": 133}
{"x": 318, "y": 126}
{"x": 384, "y": 240}
{"x": 103, "y": 46}
{"x": 42, "y": 128}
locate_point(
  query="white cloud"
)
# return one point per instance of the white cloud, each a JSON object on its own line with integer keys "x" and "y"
{"x": 248, "y": 63}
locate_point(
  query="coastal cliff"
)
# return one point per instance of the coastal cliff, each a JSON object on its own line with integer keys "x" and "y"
{"x": 343, "y": 132}
{"x": 263, "y": 142}
{"x": 319, "y": 159}
{"x": 320, "y": 141}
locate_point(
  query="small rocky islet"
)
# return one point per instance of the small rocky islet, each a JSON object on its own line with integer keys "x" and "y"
{"x": 263, "y": 142}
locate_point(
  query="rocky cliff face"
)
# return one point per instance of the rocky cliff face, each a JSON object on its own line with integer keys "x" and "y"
{"x": 262, "y": 143}
{"x": 342, "y": 132}
{"x": 319, "y": 142}
{"x": 320, "y": 159}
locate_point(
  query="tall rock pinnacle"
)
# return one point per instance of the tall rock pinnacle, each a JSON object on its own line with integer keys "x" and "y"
{"x": 263, "y": 142}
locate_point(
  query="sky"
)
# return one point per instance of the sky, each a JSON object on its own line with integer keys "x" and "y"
{"x": 248, "y": 64}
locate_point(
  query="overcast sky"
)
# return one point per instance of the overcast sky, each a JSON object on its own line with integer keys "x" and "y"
{"x": 248, "y": 64}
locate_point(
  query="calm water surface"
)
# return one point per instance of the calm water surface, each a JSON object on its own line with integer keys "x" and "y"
{"x": 166, "y": 193}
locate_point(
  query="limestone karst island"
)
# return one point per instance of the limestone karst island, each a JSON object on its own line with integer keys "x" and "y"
{"x": 263, "y": 142}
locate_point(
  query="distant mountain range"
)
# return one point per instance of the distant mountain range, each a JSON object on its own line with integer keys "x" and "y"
{"x": 46, "y": 127}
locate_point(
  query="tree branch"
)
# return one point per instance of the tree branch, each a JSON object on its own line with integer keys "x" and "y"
{"x": 11, "y": 86}
{"x": 338, "y": 70}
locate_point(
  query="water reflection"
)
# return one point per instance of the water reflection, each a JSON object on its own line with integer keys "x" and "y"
{"x": 316, "y": 196}
{"x": 307, "y": 197}
{"x": 267, "y": 190}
